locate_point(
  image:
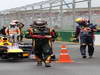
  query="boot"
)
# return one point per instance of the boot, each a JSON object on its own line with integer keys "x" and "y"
{"x": 47, "y": 65}
{"x": 84, "y": 57}
{"x": 39, "y": 63}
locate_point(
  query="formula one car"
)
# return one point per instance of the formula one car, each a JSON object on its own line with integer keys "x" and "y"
{"x": 10, "y": 50}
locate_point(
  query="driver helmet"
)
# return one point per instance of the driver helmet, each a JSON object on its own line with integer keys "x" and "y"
{"x": 82, "y": 21}
{"x": 39, "y": 23}
{"x": 15, "y": 21}
{"x": 12, "y": 23}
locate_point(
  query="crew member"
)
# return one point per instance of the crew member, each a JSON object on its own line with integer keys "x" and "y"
{"x": 13, "y": 31}
{"x": 85, "y": 31}
{"x": 42, "y": 42}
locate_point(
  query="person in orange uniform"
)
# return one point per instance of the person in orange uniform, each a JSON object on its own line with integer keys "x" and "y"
{"x": 13, "y": 31}
{"x": 20, "y": 25}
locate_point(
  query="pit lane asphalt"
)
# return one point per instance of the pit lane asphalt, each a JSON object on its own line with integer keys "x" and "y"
{"x": 78, "y": 67}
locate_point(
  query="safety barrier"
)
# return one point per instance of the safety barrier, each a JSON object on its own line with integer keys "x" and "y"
{"x": 65, "y": 36}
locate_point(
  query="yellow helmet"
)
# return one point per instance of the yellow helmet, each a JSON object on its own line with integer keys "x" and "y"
{"x": 78, "y": 20}
{"x": 4, "y": 39}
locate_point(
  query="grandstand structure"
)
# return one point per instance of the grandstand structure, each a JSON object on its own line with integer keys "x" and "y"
{"x": 60, "y": 14}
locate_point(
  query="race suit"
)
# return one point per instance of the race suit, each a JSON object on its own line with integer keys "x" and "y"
{"x": 42, "y": 44}
{"x": 86, "y": 34}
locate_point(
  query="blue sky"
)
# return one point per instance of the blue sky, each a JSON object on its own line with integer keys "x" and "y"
{"x": 7, "y": 4}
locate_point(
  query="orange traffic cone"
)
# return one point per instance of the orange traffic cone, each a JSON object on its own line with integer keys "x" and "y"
{"x": 64, "y": 56}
